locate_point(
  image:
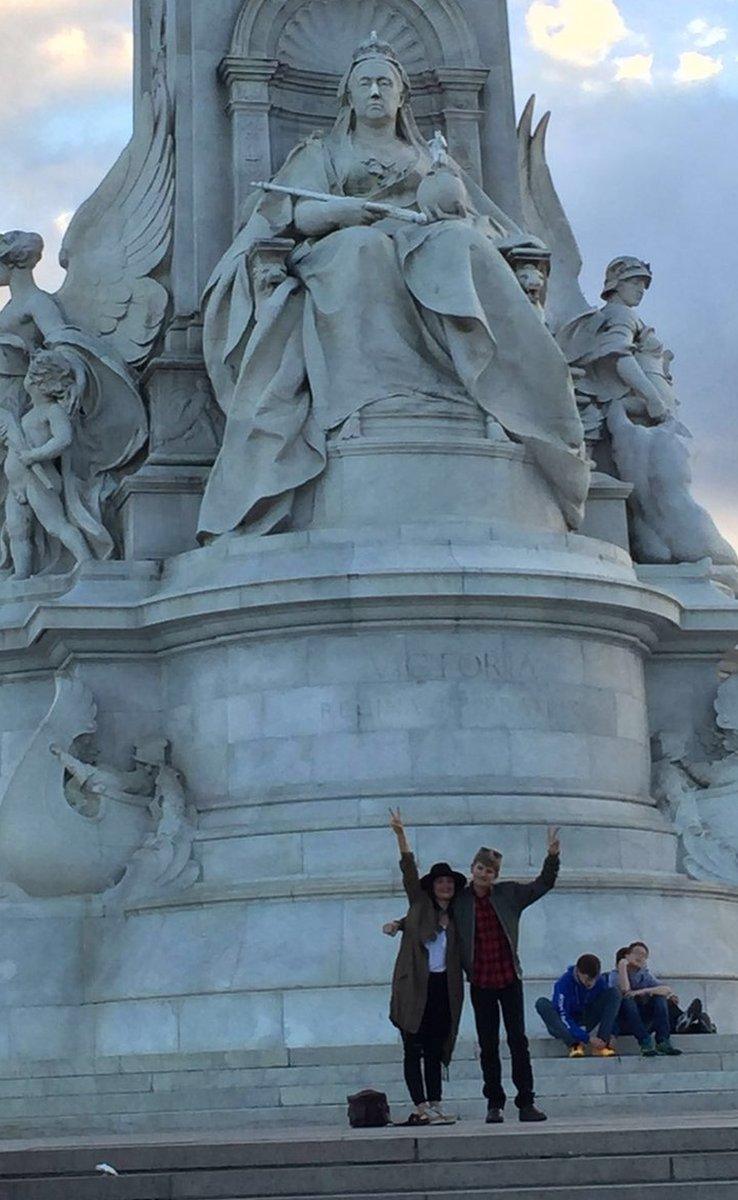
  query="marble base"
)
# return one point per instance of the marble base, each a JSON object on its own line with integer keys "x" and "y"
{"x": 307, "y": 681}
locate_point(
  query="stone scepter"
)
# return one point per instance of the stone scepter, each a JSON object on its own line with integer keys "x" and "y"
{"x": 382, "y": 210}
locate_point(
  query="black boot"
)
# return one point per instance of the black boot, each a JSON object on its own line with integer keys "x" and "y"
{"x": 531, "y": 1113}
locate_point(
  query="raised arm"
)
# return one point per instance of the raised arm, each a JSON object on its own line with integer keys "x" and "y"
{"x": 408, "y": 866}
{"x": 530, "y": 892}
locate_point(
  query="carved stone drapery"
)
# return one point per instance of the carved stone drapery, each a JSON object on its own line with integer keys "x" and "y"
{"x": 287, "y": 56}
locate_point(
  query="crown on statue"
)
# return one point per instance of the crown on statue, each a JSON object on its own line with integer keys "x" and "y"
{"x": 374, "y": 47}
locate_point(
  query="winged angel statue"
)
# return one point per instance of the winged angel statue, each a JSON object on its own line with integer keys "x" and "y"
{"x": 625, "y": 389}
{"x": 70, "y": 408}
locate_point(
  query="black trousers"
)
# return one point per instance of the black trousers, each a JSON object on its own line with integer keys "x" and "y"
{"x": 423, "y": 1050}
{"x": 487, "y": 1004}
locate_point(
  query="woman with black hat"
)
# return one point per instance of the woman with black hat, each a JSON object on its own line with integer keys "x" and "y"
{"x": 427, "y": 985}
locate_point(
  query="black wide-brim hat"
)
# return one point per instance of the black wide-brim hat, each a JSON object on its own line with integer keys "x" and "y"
{"x": 442, "y": 868}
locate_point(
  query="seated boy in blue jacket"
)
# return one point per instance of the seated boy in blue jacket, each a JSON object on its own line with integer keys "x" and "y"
{"x": 582, "y": 1002}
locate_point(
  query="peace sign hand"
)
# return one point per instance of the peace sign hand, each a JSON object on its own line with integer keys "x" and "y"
{"x": 398, "y": 829}
{"x": 554, "y": 845}
{"x": 396, "y": 824}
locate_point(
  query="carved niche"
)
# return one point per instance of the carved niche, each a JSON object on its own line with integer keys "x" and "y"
{"x": 287, "y": 57}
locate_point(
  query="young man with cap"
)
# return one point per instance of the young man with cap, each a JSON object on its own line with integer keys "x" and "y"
{"x": 487, "y": 917}
{"x": 582, "y": 1001}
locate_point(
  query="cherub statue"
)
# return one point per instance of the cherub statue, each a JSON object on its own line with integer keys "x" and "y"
{"x": 104, "y": 320}
{"x": 623, "y": 379}
{"x": 45, "y": 499}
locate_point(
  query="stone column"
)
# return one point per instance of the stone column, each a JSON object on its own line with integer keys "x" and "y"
{"x": 186, "y": 40}
{"x": 249, "y": 107}
{"x": 463, "y": 115}
{"x": 489, "y": 19}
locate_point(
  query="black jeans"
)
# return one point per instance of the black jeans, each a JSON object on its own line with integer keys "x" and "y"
{"x": 487, "y": 1003}
{"x": 423, "y": 1050}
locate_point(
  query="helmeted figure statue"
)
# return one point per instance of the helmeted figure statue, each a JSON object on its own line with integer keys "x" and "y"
{"x": 87, "y": 418}
{"x": 373, "y": 308}
{"x": 623, "y": 379}
{"x": 627, "y": 392}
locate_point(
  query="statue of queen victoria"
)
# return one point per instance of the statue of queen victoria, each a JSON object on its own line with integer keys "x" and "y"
{"x": 418, "y": 306}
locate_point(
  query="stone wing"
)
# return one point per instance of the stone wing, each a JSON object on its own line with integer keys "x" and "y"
{"x": 544, "y": 216}
{"x": 118, "y": 239}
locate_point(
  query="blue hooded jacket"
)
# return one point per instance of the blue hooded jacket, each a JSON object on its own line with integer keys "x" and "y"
{"x": 570, "y": 998}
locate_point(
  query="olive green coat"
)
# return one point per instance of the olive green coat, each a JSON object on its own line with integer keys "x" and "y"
{"x": 410, "y": 978}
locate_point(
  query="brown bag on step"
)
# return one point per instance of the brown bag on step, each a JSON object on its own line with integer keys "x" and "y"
{"x": 368, "y": 1110}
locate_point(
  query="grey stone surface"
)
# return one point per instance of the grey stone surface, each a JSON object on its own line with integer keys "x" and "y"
{"x": 198, "y": 1165}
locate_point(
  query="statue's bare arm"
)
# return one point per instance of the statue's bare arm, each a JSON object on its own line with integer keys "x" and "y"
{"x": 62, "y": 434}
{"x": 46, "y": 314}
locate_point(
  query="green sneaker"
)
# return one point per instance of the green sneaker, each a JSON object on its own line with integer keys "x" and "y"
{"x": 667, "y": 1048}
{"x": 648, "y": 1050}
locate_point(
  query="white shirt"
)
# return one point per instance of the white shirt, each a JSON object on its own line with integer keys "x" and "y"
{"x": 436, "y": 948}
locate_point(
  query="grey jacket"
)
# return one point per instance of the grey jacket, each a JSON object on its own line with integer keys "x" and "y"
{"x": 508, "y": 899}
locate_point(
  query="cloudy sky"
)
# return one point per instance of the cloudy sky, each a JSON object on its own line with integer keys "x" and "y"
{"x": 644, "y": 148}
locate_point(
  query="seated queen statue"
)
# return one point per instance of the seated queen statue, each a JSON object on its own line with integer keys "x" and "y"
{"x": 373, "y": 305}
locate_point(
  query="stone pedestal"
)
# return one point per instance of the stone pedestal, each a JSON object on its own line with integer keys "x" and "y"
{"x": 158, "y": 509}
{"x": 606, "y": 513}
{"x": 307, "y": 681}
{"x": 433, "y": 461}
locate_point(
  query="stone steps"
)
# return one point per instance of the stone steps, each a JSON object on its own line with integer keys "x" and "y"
{"x": 626, "y": 1161}
{"x": 291, "y": 1088}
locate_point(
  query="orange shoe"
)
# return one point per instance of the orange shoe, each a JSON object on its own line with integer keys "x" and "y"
{"x": 605, "y": 1052}
{"x": 576, "y": 1051}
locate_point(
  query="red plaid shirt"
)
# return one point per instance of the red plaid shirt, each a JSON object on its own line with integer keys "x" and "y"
{"x": 493, "y": 959}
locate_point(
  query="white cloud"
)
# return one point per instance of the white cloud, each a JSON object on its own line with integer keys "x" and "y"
{"x": 68, "y": 50}
{"x": 580, "y": 32}
{"x": 697, "y": 68}
{"x": 637, "y": 68}
{"x": 706, "y": 35}
{"x": 62, "y": 222}
{"x": 73, "y": 57}
{"x": 56, "y": 50}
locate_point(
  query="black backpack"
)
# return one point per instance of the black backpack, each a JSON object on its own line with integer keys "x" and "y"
{"x": 368, "y": 1110}
{"x": 695, "y": 1020}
